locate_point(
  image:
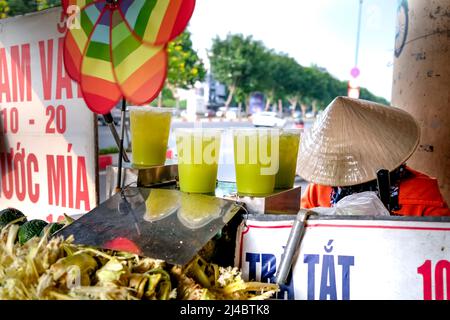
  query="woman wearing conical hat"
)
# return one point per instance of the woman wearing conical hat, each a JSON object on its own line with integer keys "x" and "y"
{"x": 353, "y": 139}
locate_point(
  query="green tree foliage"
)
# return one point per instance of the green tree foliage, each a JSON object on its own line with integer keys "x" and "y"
{"x": 19, "y": 7}
{"x": 238, "y": 63}
{"x": 245, "y": 65}
{"x": 280, "y": 77}
{"x": 4, "y": 9}
{"x": 45, "y": 4}
{"x": 367, "y": 95}
{"x": 185, "y": 66}
{"x": 184, "y": 70}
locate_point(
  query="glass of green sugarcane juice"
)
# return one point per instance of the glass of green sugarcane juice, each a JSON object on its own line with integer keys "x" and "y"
{"x": 150, "y": 128}
{"x": 198, "y": 157}
{"x": 255, "y": 160}
{"x": 289, "y": 142}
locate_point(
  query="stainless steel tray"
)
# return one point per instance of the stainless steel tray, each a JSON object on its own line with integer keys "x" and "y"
{"x": 279, "y": 202}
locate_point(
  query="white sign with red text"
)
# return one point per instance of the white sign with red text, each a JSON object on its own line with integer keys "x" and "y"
{"x": 352, "y": 259}
{"x": 47, "y": 138}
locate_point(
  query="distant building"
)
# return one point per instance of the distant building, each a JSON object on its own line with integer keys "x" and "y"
{"x": 256, "y": 103}
{"x": 209, "y": 94}
{"x": 195, "y": 100}
{"x": 217, "y": 93}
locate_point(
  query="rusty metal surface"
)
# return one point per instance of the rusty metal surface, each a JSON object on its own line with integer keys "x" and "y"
{"x": 279, "y": 202}
{"x": 141, "y": 177}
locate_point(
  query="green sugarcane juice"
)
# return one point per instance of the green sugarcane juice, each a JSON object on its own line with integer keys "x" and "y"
{"x": 150, "y": 128}
{"x": 289, "y": 143}
{"x": 198, "y": 158}
{"x": 256, "y": 160}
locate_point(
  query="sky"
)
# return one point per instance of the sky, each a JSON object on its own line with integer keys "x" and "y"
{"x": 321, "y": 32}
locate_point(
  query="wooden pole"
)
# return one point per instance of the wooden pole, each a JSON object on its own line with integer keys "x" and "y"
{"x": 421, "y": 82}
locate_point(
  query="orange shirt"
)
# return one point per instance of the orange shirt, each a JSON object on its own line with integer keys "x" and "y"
{"x": 419, "y": 195}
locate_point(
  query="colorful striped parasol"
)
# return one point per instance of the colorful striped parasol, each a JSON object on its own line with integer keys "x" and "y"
{"x": 116, "y": 49}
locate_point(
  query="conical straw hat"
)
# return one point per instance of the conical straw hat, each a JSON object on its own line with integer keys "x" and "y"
{"x": 353, "y": 139}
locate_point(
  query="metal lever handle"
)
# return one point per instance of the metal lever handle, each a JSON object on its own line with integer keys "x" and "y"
{"x": 110, "y": 122}
{"x": 108, "y": 118}
{"x": 125, "y": 208}
{"x": 292, "y": 245}
{"x": 384, "y": 186}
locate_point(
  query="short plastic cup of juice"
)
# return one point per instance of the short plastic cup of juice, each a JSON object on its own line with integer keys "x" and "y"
{"x": 198, "y": 159}
{"x": 255, "y": 160}
{"x": 289, "y": 142}
{"x": 150, "y": 128}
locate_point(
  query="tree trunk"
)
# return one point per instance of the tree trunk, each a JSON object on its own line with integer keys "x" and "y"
{"x": 304, "y": 107}
{"x": 280, "y": 107}
{"x": 247, "y": 106}
{"x": 314, "y": 107}
{"x": 230, "y": 97}
{"x": 239, "y": 110}
{"x": 293, "y": 102}
{"x": 269, "y": 100}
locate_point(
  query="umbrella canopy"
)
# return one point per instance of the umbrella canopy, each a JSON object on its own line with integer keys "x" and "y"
{"x": 117, "y": 48}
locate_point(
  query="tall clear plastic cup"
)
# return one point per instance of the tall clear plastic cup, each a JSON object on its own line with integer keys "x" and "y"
{"x": 198, "y": 159}
{"x": 289, "y": 142}
{"x": 256, "y": 160}
{"x": 150, "y": 128}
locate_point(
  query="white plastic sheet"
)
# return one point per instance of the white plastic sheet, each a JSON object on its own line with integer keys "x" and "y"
{"x": 358, "y": 204}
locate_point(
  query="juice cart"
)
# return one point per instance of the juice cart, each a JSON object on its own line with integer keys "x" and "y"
{"x": 340, "y": 257}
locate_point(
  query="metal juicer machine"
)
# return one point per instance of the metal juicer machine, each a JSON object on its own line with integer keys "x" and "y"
{"x": 149, "y": 216}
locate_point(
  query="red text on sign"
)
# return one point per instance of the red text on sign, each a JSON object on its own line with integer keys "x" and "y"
{"x": 10, "y": 120}
{"x": 441, "y": 272}
{"x": 17, "y": 170}
{"x": 56, "y": 120}
{"x": 19, "y": 89}
{"x": 61, "y": 186}
{"x": 63, "y": 81}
